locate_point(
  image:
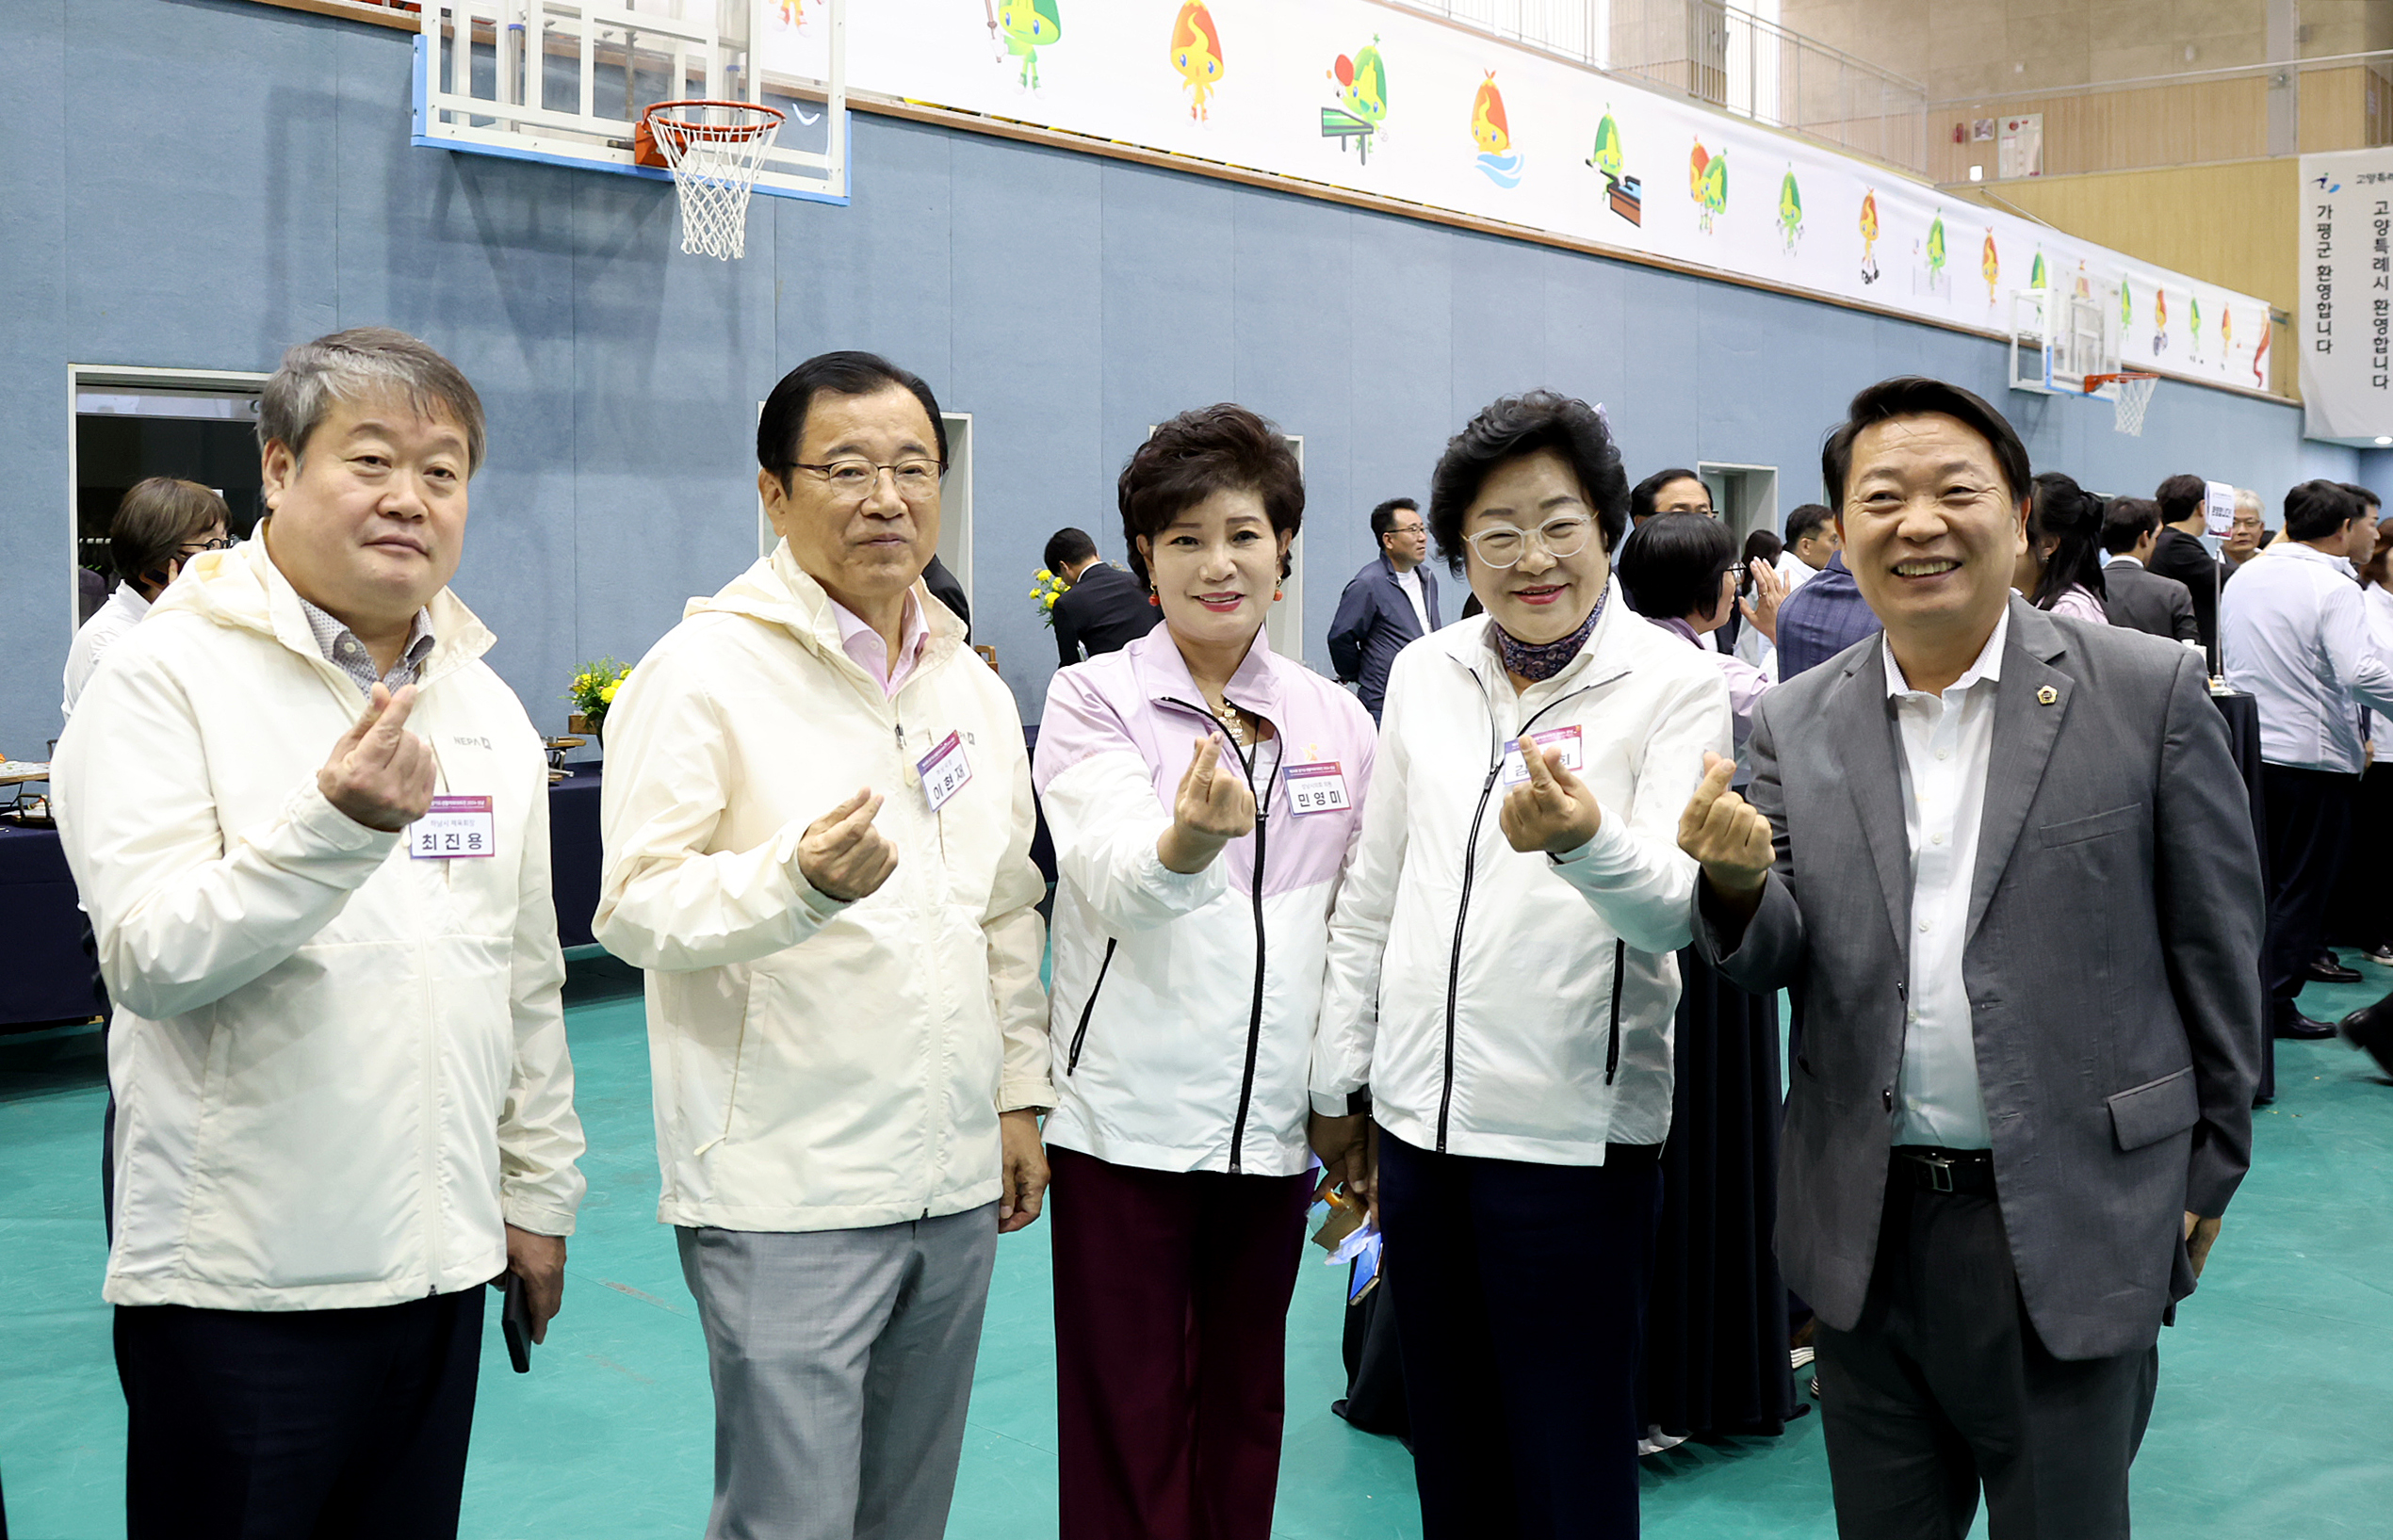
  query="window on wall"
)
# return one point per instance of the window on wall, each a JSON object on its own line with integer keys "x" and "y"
{"x": 132, "y": 423}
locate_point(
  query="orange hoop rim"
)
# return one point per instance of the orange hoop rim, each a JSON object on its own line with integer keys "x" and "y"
{"x": 2095, "y": 381}
{"x": 660, "y": 120}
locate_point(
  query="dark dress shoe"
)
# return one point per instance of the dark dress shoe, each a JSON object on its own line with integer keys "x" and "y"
{"x": 2301, "y": 1029}
{"x": 2327, "y": 969}
{"x": 2370, "y": 1029}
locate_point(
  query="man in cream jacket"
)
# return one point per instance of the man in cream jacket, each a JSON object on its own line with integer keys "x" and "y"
{"x": 344, "y": 1101}
{"x": 817, "y": 822}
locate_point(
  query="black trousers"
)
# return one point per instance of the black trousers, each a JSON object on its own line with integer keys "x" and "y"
{"x": 1520, "y": 1305}
{"x": 1943, "y": 1385}
{"x": 2309, "y": 828}
{"x": 297, "y": 1425}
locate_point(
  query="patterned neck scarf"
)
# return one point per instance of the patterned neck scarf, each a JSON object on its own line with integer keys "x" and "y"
{"x": 1544, "y": 659}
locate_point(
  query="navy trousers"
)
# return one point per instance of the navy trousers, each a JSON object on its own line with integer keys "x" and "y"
{"x": 1520, "y": 1293}
{"x": 298, "y": 1424}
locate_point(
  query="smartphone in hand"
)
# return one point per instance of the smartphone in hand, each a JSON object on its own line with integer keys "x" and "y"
{"x": 514, "y": 1321}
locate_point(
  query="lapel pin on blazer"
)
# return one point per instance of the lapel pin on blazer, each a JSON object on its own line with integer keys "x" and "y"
{"x": 2047, "y": 695}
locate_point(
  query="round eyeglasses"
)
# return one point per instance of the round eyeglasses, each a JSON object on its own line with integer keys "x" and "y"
{"x": 1504, "y": 545}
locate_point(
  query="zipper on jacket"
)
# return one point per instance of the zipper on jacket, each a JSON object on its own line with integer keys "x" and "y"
{"x": 1255, "y": 1012}
{"x": 1454, "y": 964}
{"x": 1620, "y": 967}
{"x": 1470, "y": 871}
{"x": 1080, "y": 1033}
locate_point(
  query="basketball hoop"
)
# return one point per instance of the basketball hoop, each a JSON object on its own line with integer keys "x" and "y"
{"x": 2134, "y": 396}
{"x": 714, "y": 150}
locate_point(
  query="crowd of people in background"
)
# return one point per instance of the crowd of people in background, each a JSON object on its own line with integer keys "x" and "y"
{"x": 1420, "y": 950}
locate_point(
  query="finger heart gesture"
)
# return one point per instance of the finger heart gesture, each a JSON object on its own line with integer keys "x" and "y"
{"x": 1553, "y": 811}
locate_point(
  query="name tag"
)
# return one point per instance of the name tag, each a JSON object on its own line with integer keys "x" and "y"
{"x": 1319, "y": 788}
{"x": 457, "y": 828}
{"x": 944, "y": 771}
{"x": 1555, "y": 743}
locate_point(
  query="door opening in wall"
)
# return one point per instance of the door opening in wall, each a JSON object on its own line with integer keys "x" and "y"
{"x": 1744, "y": 496}
{"x": 127, "y": 424}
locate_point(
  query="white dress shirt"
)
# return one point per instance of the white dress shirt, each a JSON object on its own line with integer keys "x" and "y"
{"x": 2295, "y": 634}
{"x": 121, "y": 613}
{"x": 2111, "y": 559}
{"x": 1946, "y": 741}
{"x": 1409, "y": 581}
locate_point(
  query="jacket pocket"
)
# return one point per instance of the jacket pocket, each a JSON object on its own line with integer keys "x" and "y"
{"x": 1080, "y": 1033}
{"x": 2150, "y": 1112}
{"x": 2076, "y": 830}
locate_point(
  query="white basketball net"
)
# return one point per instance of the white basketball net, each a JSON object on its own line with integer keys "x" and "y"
{"x": 714, "y": 150}
{"x": 2134, "y": 395}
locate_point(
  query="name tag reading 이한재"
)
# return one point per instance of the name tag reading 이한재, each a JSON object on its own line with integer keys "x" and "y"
{"x": 944, "y": 771}
{"x": 1559, "y": 743}
{"x": 457, "y": 828}
{"x": 1318, "y": 788}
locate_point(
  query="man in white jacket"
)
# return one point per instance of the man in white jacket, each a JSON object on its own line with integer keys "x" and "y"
{"x": 817, "y": 822}
{"x": 345, "y": 1104}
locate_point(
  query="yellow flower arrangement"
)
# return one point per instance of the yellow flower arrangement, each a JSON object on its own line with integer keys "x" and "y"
{"x": 1045, "y": 587}
{"x": 594, "y": 688}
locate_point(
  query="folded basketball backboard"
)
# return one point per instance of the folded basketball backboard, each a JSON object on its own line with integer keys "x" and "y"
{"x": 567, "y": 82}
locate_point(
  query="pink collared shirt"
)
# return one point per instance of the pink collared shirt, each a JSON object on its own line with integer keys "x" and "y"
{"x": 863, "y": 643}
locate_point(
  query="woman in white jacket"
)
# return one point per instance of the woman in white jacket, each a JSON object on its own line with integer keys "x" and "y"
{"x": 1505, "y": 1002}
{"x": 1203, "y": 795}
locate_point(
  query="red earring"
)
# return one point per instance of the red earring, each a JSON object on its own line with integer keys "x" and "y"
{"x": 1277, "y": 593}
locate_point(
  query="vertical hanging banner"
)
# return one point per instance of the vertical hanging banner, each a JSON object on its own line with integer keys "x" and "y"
{"x": 2345, "y": 322}
{"x": 1377, "y": 99}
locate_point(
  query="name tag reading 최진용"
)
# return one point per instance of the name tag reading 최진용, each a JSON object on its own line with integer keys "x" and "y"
{"x": 944, "y": 771}
{"x": 457, "y": 828}
{"x": 1318, "y": 788}
{"x": 1555, "y": 743}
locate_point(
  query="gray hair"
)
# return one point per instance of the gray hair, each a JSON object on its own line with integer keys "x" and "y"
{"x": 363, "y": 363}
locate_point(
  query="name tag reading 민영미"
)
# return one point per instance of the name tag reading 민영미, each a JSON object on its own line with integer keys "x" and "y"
{"x": 457, "y": 828}
{"x": 944, "y": 771}
{"x": 1560, "y": 743}
{"x": 1317, "y": 787}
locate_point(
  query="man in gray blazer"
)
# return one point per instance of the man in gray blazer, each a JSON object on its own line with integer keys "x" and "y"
{"x": 2134, "y": 597}
{"x": 2005, "y": 862}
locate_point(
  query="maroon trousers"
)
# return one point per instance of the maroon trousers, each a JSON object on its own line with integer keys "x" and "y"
{"x": 1171, "y": 1328}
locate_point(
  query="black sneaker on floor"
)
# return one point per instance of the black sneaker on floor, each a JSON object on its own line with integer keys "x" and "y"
{"x": 2381, "y": 954}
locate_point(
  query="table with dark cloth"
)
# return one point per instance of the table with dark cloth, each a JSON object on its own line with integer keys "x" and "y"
{"x": 48, "y": 975}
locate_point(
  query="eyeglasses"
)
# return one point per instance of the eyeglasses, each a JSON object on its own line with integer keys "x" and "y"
{"x": 221, "y": 543}
{"x": 917, "y": 480}
{"x": 1504, "y": 545}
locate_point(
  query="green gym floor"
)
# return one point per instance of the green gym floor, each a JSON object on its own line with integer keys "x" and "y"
{"x": 2276, "y": 1387}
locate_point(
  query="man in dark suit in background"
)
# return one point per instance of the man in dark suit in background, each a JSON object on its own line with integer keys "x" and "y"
{"x": 1102, "y": 610}
{"x": 2005, "y": 862}
{"x": 2133, "y": 597}
{"x": 1821, "y": 619}
{"x": 2179, "y": 552}
{"x": 1392, "y": 600}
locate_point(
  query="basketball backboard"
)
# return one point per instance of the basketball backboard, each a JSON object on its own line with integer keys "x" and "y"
{"x": 2059, "y": 337}
{"x": 564, "y": 82}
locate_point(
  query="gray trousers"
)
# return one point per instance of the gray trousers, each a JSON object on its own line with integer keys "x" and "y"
{"x": 843, "y": 1365}
{"x": 1943, "y": 1386}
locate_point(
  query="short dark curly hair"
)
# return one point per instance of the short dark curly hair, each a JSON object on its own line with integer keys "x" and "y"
{"x": 1222, "y": 447}
{"x": 1515, "y": 426}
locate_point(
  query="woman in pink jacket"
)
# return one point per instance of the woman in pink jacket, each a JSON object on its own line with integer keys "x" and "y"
{"x": 1204, "y": 795}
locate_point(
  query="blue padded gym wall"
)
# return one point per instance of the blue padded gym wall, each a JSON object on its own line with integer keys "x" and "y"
{"x": 242, "y": 178}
